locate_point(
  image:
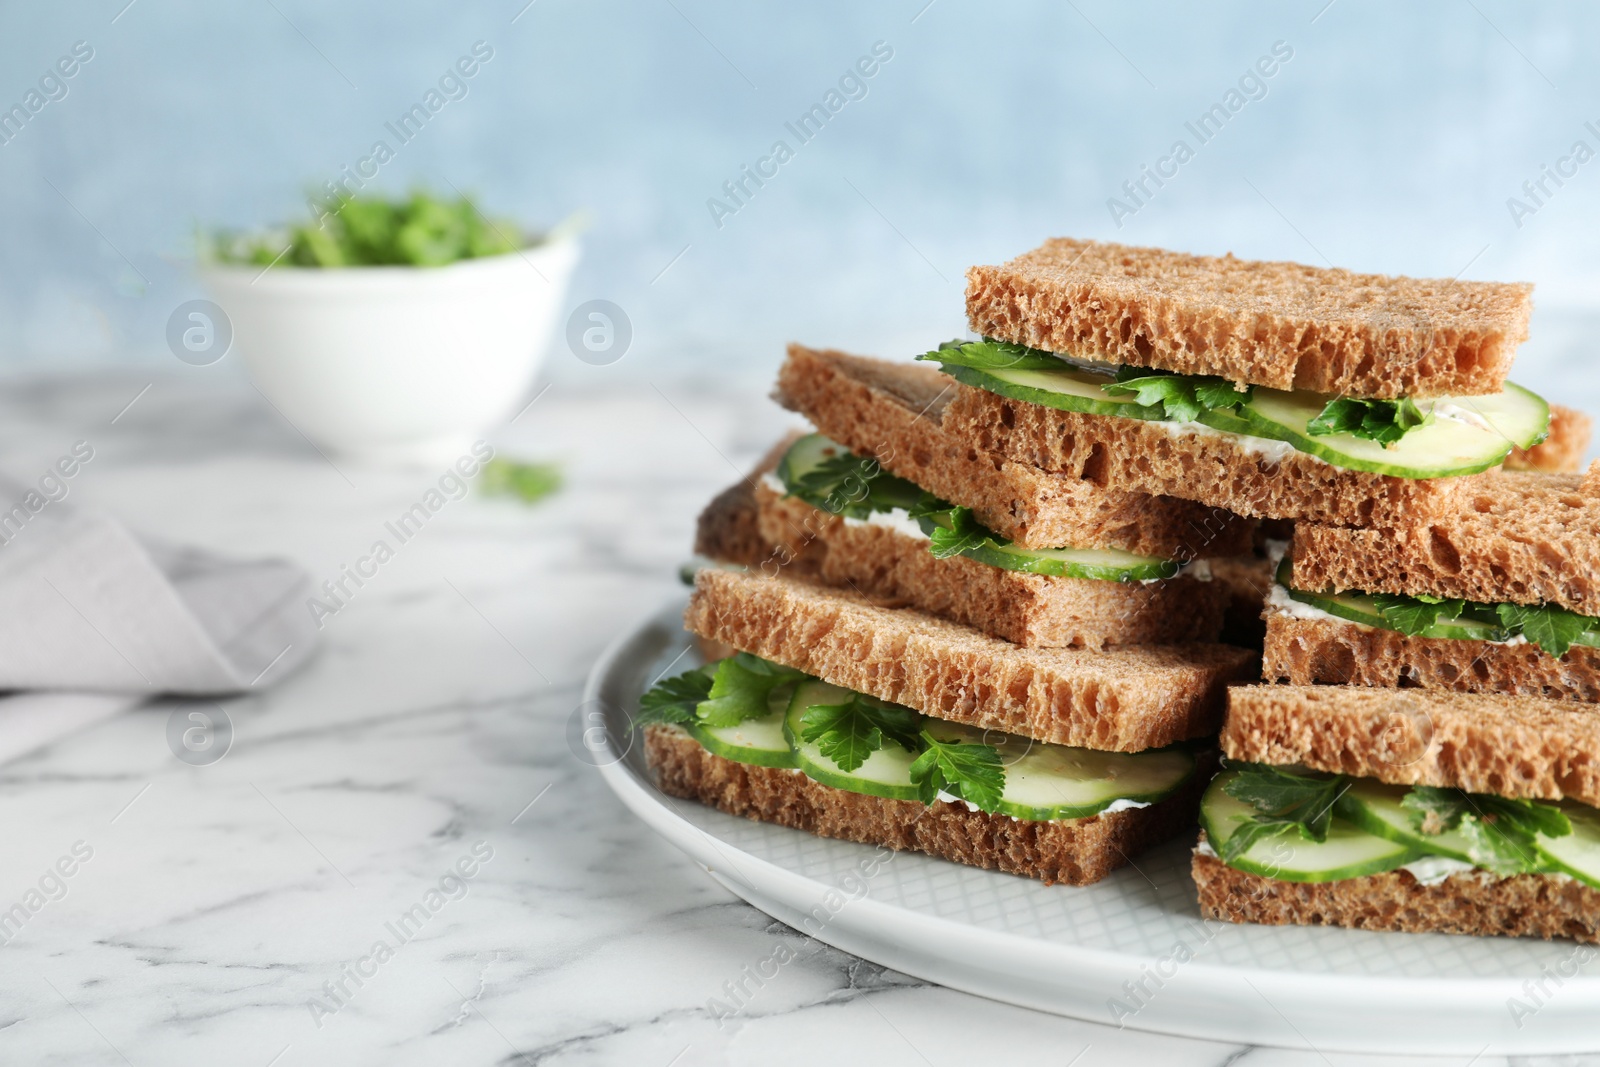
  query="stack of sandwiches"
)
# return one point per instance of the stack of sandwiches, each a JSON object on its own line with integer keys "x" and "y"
{"x": 981, "y": 610}
{"x": 926, "y": 646}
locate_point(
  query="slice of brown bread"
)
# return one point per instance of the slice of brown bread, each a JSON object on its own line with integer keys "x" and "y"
{"x": 1562, "y": 450}
{"x": 729, "y": 531}
{"x": 1513, "y": 746}
{"x": 1026, "y": 609}
{"x": 1471, "y": 902}
{"x": 1121, "y": 700}
{"x": 1336, "y": 652}
{"x": 1282, "y": 325}
{"x": 895, "y": 412}
{"x": 729, "y": 528}
{"x": 1074, "y": 852}
{"x": 1222, "y": 470}
{"x": 1519, "y": 537}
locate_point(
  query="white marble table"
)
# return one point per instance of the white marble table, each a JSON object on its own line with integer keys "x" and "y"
{"x": 221, "y": 903}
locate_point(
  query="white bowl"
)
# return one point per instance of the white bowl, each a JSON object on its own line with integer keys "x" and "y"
{"x": 397, "y": 364}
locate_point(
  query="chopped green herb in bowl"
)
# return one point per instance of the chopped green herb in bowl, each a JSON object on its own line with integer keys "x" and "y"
{"x": 421, "y": 230}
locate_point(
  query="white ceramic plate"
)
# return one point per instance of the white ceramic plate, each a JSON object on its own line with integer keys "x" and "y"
{"x": 1130, "y": 950}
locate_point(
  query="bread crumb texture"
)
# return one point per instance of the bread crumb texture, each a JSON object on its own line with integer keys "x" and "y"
{"x": 1334, "y": 652}
{"x": 1513, "y": 537}
{"x": 1511, "y": 746}
{"x": 1119, "y": 700}
{"x": 1523, "y": 905}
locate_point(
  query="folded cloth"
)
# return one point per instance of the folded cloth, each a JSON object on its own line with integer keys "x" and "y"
{"x": 88, "y": 607}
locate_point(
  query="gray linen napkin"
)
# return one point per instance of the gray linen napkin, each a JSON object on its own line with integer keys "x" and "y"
{"x": 98, "y": 619}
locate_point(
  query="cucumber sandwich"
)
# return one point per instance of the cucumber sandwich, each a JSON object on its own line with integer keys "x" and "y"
{"x": 884, "y": 502}
{"x": 1350, "y": 807}
{"x": 1270, "y": 389}
{"x": 1491, "y": 595}
{"x": 873, "y": 531}
{"x": 887, "y": 726}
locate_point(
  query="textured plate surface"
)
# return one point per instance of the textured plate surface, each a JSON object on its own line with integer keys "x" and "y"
{"x": 1131, "y": 950}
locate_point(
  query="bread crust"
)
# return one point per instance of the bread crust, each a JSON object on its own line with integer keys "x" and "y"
{"x": 1282, "y": 325}
{"x": 1515, "y": 537}
{"x": 895, "y": 412}
{"x": 1336, "y": 652}
{"x": 1562, "y": 450}
{"x": 1032, "y": 610}
{"x": 1216, "y": 469}
{"x": 1471, "y": 902}
{"x": 1511, "y": 746}
{"x": 1072, "y": 852}
{"x": 1120, "y": 700}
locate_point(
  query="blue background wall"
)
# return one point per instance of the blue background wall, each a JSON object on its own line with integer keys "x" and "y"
{"x": 1390, "y": 141}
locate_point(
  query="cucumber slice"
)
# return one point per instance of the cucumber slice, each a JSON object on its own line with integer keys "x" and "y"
{"x": 1349, "y": 852}
{"x": 1048, "y": 782}
{"x": 1375, "y": 808}
{"x": 758, "y": 741}
{"x": 1578, "y": 853}
{"x": 1100, "y": 564}
{"x": 1067, "y": 389}
{"x": 1446, "y": 447}
{"x": 886, "y": 773}
{"x": 1467, "y": 435}
{"x": 805, "y": 455}
{"x": 1517, "y": 414}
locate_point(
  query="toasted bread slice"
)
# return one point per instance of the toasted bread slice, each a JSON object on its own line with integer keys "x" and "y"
{"x": 1512, "y": 746}
{"x": 1516, "y": 537}
{"x": 1119, "y": 700}
{"x": 894, "y": 412}
{"x": 1336, "y": 652}
{"x": 1073, "y": 851}
{"x": 1219, "y": 469}
{"x": 1562, "y": 450}
{"x": 1034, "y": 610}
{"x": 1471, "y": 902}
{"x": 1282, "y": 325}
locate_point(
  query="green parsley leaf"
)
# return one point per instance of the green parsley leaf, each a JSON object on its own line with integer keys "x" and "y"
{"x": 853, "y": 486}
{"x": 1552, "y": 628}
{"x": 1213, "y": 393}
{"x": 1384, "y": 421}
{"x": 1283, "y": 800}
{"x": 1173, "y": 393}
{"x": 850, "y": 732}
{"x": 955, "y": 531}
{"x": 1500, "y": 832}
{"x": 674, "y": 700}
{"x": 992, "y": 355}
{"x": 1181, "y": 397}
{"x": 961, "y": 769}
{"x": 1434, "y": 810}
{"x": 421, "y": 230}
{"x": 1412, "y": 615}
{"x": 528, "y": 482}
{"x": 741, "y": 688}
{"x": 839, "y": 485}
